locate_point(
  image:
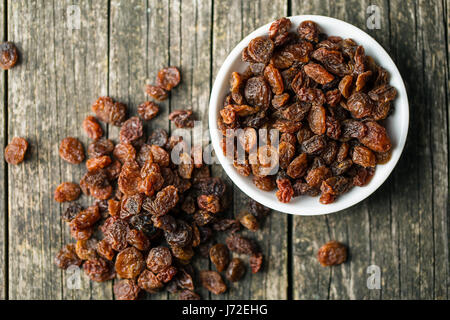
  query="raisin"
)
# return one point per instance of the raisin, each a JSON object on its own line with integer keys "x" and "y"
{"x": 164, "y": 201}
{"x": 131, "y": 130}
{"x": 129, "y": 263}
{"x": 209, "y": 186}
{"x": 124, "y": 152}
{"x": 257, "y": 92}
{"x": 105, "y": 250}
{"x": 311, "y": 95}
{"x": 335, "y": 185}
{"x": 8, "y": 55}
{"x": 186, "y": 166}
{"x": 92, "y": 128}
{"x": 15, "y": 150}
{"x": 158, "y": 137}
{"x": 116, "y": 234}
{"x": 241, "y": 245}
{"x": 273, "y": 77}
{"x": 308, "y": 30}
{"x": 129, "y": 178}
{"x": 332, "y": 253}
{"x": 109, "y": 111}
{"x": 235, "y": 270}
{"x": 286, "y": 152}
{"x": 248, "y": 220}
{"x": 278, "y": 31}
{"x": 181, "y": 237}
{"x": 80, "y": 234}
{"x": 67, "y": 257}
{"x": 363, "y": 156}
{"x": 126, "y": 290}
{"x": 314, "y": 145}
{"x": 86, "y": 249}
{"x": 345, "y": 86}
{"x": 297, "y": 52}
{"x": 95, "y": 164}
{"x": 226, "y": 224}
{"x": 149, "y": 282}
{"x": 280, "y": 100}
{"x": 166, "y": 222}
{"x": 297, "y": 168}
{"x": 138, "y": 239}
{"x": 360, "y": 105}
{"x": 318, "y": 73}
{"x": 317, "y": 119}
{"x": 352, "y": 129}
{"x": 184, "y": 279}
{"x": 285, "y": 191}
{"x": 296, "y": 111}
{"x": 363, "y": 176}
{"x": 301, "y": 188}
{"x": 71, "y": 150}
{"x": 86, "y": 218}
{"x": 210, "y": 203}
{"x": 167, "y": 274}
{"x": 264, "y": 183}
{"x": 256, "y": 261}
{"x": 182, "y": 118}
{"x": 376, "y": 138}
{"x": 131, "y": 205}
{"x": 219, "y": 256}
{"x": 160, "y": 156}
{"x": 315, "y": 176}
{"x": 156, "y": 92}
{"x": 212, "y": 281}
{"x": 383, "y": 93}
{"x": 158, "y": 259}
{"x": 100, "y": 147}
{"x": 183, "y": 254}
{"x": 168, "y": 78}
{"x": 383, "y": 157}
{"x": 260, "y": 49}
{"x": 327, "y": 198}
{"x": 98, "y": 270}
{"x": 67, "y": 191}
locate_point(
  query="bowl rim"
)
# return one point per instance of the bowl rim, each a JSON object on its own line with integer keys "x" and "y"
{"x": 213, "y": 110}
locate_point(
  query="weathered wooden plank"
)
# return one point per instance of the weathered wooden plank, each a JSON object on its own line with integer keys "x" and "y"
{"x": 272, "y": 282}
{"x": 190, "y": 50}
{"x": 3, "y": 174}
{"x": 400, "y": 220}
{"x": 434, "y": 274}
{"x": 139, "y": 47}
{"x": 49, "y": 94}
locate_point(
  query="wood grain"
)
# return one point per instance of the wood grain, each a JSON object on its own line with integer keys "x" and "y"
{"x": 49, "y": 95}
{"x": 272, "y": 282}
{"x": 396, "y": 227}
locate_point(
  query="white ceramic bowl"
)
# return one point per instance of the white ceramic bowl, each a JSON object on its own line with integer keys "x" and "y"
{"x": 397, "y": 123}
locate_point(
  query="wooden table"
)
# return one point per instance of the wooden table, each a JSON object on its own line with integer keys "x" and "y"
{"x": 120, "y": 45}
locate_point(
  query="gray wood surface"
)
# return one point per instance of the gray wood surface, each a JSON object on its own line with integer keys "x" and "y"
{"x": 4, "y": 183}
{"x": 120, "y": 46}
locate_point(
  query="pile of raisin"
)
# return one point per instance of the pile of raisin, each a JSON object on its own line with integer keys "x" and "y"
{"x": 155, "y": 217}
{"x": 326, "y": 99}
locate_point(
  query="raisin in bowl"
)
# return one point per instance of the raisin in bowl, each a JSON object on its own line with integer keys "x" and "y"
{"x": 320, "y": 184}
